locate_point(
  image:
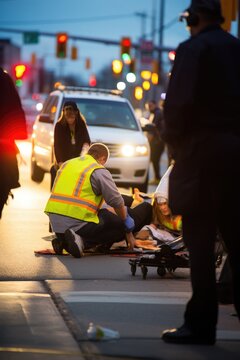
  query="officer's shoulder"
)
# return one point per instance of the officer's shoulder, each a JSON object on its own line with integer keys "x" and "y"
{"x": 102, "y": 169}
{"x": 194, "y": 45}
{"x": 185, "y": 46}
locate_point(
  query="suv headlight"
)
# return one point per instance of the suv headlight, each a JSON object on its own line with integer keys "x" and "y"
{"x": 131, "y": 150}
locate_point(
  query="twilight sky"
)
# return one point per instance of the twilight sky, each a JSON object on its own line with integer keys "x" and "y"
{"x": 105, "y": 19}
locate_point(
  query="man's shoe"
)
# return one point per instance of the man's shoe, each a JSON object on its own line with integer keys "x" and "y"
{"x": 184, "y": 335}
{"x": 57, "y": 246}
{"x": 74, "y": 243}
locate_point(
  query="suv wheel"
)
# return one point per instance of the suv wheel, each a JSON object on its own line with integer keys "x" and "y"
{"x": 37, "y": 174}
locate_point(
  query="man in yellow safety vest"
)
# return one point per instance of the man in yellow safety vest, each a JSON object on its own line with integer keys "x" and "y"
{"x": 75, "y": 205}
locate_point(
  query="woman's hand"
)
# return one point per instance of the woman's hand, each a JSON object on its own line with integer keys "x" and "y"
{"x": 85, "y": 148}
{"x": 130, "y": 240}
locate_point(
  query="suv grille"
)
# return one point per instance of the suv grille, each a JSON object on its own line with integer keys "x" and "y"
{"x": 115, "y": 150}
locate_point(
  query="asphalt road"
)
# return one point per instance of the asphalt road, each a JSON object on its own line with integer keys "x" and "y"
{"x": 47, "y": 302}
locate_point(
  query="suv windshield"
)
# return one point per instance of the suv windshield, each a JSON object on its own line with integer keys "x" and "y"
{"x": 106, "y": 113}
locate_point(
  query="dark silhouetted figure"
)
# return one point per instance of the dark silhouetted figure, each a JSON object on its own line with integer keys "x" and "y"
{"x": 156, "y": 143}
{"x": 202, "y": 126}
{"x": 12, "y": 127}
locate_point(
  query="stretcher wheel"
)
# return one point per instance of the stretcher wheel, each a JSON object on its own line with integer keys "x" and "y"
{"x": 133, "y": 269}
{"x": 144, "y": 271}
{"x": 161, "y": 271}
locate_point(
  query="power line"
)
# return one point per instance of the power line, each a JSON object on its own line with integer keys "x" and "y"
{"x": 166, "y": 26}
{"x": 171, "y": 22}
{"x": 48, "y": 21}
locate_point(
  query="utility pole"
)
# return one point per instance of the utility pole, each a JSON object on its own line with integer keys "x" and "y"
{"x": 143, "y": 17}
{"x": 161, "y": 27}
{"x": 154, "y": 20}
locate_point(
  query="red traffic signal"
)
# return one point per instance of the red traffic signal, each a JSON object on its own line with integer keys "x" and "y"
{"x": 126, "y": 48}
{"x": 62, "y": 38}
{"x": 171, "y": 55}
{"x": 126, "y": 42}
{"x": 92, "y": 80}
{"x": 20, "y": 71}
{"x": 61, "y": 46}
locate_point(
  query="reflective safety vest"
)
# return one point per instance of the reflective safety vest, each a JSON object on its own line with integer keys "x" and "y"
{"x": 173, "y": 223}
{"x": 72, "y": 194}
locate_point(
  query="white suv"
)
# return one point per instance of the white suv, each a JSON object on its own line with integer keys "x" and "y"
{"x": 110, "y": 120}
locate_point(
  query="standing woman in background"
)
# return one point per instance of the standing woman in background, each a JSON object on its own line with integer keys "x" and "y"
{"x": 71, "y": 138}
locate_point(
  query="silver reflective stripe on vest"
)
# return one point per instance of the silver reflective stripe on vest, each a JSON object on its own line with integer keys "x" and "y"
{"x": 80, "y": 181}
{"x": 59, "y": 173}
{"x": 73, "y": 201}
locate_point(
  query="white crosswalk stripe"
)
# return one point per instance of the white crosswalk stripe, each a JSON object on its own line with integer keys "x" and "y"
{"x": 126, "y": 297}
{"x": 134, "y": 297}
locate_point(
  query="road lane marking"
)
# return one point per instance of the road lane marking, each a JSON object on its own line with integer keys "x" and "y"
{"x": 160, "y": 298}
{"x": 127, "y": 297}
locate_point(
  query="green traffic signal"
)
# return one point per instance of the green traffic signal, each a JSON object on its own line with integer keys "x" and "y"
{"x": 126, "y": 57}
{"x": 19, "y": 82}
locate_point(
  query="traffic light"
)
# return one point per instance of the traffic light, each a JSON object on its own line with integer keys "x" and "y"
{"x": 92, "y": 80}
{"x": 155, "y": 66}
{"x": 61, "y": 48}
{"x": 74, "y": 53}
{"x": 132, "y": 66}
{"x": 230, "y": 12}
{"x": 33, "y": 59}
{"x": 117, "y": 66}
{"x": 20, "y": 71}
{"x": 156, "y": 72}
{"x": 87, "y": 63}
{"x": 126, "y": 49}
{"x": 155, "y": 78}
{"x": 171, "y": 55}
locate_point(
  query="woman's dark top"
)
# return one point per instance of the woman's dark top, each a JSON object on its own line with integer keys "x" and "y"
{"x": 63, "y": 147}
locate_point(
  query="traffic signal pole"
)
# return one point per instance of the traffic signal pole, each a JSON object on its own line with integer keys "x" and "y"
{"x": 160, "y": 47}
{"x": 161, "y": 27}
{"x": 89, "y": 39}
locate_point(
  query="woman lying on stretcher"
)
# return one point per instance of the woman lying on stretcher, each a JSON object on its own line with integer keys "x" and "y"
{"x": 164, "y": 228}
